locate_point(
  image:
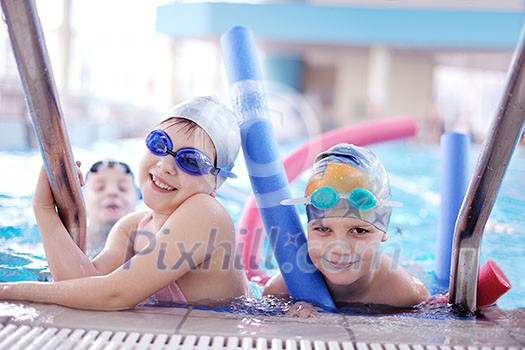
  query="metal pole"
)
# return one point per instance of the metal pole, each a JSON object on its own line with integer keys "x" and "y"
{"x": 503, "y": 137}
{"x": 27, "y": 40}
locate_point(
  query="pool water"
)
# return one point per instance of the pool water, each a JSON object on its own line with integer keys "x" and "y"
{"x": 414, "y": 173}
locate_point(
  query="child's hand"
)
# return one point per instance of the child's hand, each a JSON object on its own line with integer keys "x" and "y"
{"x": 302, "y": 309}
{"x": 438, "y": 300}
{"x": 43, "y": 196}
{"x": 80, "y": 175}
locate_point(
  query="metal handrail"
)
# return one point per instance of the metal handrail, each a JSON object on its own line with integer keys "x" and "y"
{"x": 34, "y": 67}
{"x": 504, "y": 135}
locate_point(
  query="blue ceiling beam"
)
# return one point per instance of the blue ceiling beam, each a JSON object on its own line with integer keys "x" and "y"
{"x": 303, "y": 23}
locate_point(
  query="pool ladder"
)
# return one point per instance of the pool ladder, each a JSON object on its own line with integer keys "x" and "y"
{"x": 504, "y": 135}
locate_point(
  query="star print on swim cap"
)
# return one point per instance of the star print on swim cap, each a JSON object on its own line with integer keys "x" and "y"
{"x": 349, "y": 181}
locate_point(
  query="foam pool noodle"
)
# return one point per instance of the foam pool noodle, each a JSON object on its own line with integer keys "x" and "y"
{"x": 492, "y": 282}
{"x": 453, "y": 186}
{"x": 266, "y": 171}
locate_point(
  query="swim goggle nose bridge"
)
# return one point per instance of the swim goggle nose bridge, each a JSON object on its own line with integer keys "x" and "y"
{"x": 327, "y": 197}
{"x": 189, "y": 160}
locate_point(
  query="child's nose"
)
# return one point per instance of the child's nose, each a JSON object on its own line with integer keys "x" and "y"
{"x": 112, "y": 191}
{"x": 167, "y": 165}
{"x": 340, "y": 248}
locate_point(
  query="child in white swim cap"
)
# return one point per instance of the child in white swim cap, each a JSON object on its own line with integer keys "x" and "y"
{"x": 182, "y": 250}
{"x": 348, "y": 206}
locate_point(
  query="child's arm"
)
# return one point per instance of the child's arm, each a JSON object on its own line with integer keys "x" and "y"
{"x": 175, "y": 249}
{"x": 65, "y": 259}
{"x": 419, "y": 289}
{"x": 407, "y": 290}
{"x": 275, "y": 286}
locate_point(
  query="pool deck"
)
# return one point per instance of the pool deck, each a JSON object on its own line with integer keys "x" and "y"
{"x": 498, "y": 329}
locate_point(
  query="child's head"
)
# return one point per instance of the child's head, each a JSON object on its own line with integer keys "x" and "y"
{"x": 348, "y": 207}
{"x": 109, "y": 192}
{"x": 349, "y": 181}
{"x": 221, "y": 126}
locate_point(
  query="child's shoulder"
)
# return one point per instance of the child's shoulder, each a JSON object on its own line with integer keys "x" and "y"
{"x": 202, "y": 209}
{"x": 404, "y": 288}
{"x": 134, "y": 219}
{"x": 202, "y": 203}
{"x": 198, "y": 216}
{"x": 138, "y": 215}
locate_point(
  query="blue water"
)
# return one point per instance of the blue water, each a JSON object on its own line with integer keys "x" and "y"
{"x": 414, "y": 169}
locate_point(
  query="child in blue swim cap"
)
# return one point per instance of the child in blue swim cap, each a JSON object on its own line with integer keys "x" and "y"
{"x": 348, "y": 207}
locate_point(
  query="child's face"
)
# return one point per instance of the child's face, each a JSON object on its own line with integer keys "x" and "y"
{"x": 109, "y": 194}
{"x": 164, "y": 185}
{"x": 344, "y": 249}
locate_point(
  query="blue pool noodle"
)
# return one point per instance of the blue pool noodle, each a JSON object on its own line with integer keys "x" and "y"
{"x": 453, "y": 186}
{"x": 266, "y": 171}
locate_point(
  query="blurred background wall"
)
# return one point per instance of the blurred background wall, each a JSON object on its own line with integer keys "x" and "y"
{"x": 120, "y": 64}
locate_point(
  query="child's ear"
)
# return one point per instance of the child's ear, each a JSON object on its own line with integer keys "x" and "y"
{"x": 384, "y": 238}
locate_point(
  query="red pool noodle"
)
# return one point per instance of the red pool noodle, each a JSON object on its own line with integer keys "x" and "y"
{"x": 301, "y": 159}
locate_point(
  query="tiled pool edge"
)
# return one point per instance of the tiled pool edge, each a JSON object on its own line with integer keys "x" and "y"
{"x": 328, "y": 328}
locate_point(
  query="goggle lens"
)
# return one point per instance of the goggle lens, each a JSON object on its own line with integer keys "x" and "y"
{"x": 326, "y": 198}
{"x": 158, "y": 143}
{"x": 193, "y": 162}
{"x": 361, "y": 199}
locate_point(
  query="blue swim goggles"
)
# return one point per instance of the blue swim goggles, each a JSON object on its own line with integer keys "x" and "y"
{"x": 326, "y": 197}
{"x": 189, "y": 160}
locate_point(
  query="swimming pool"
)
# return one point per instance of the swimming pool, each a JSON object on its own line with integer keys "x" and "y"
{"x": 414, "y": 170}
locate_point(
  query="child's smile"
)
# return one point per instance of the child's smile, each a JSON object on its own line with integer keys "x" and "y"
{"x": 158, "y": 184}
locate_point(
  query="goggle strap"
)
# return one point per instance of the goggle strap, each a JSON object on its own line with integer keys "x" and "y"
{"x": 223, "y": 172}
{"x": 393, "y": 204}
{"x": 294, "y": 201}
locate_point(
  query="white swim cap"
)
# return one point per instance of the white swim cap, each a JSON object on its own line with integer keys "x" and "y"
{"x": 219, "y": 122}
